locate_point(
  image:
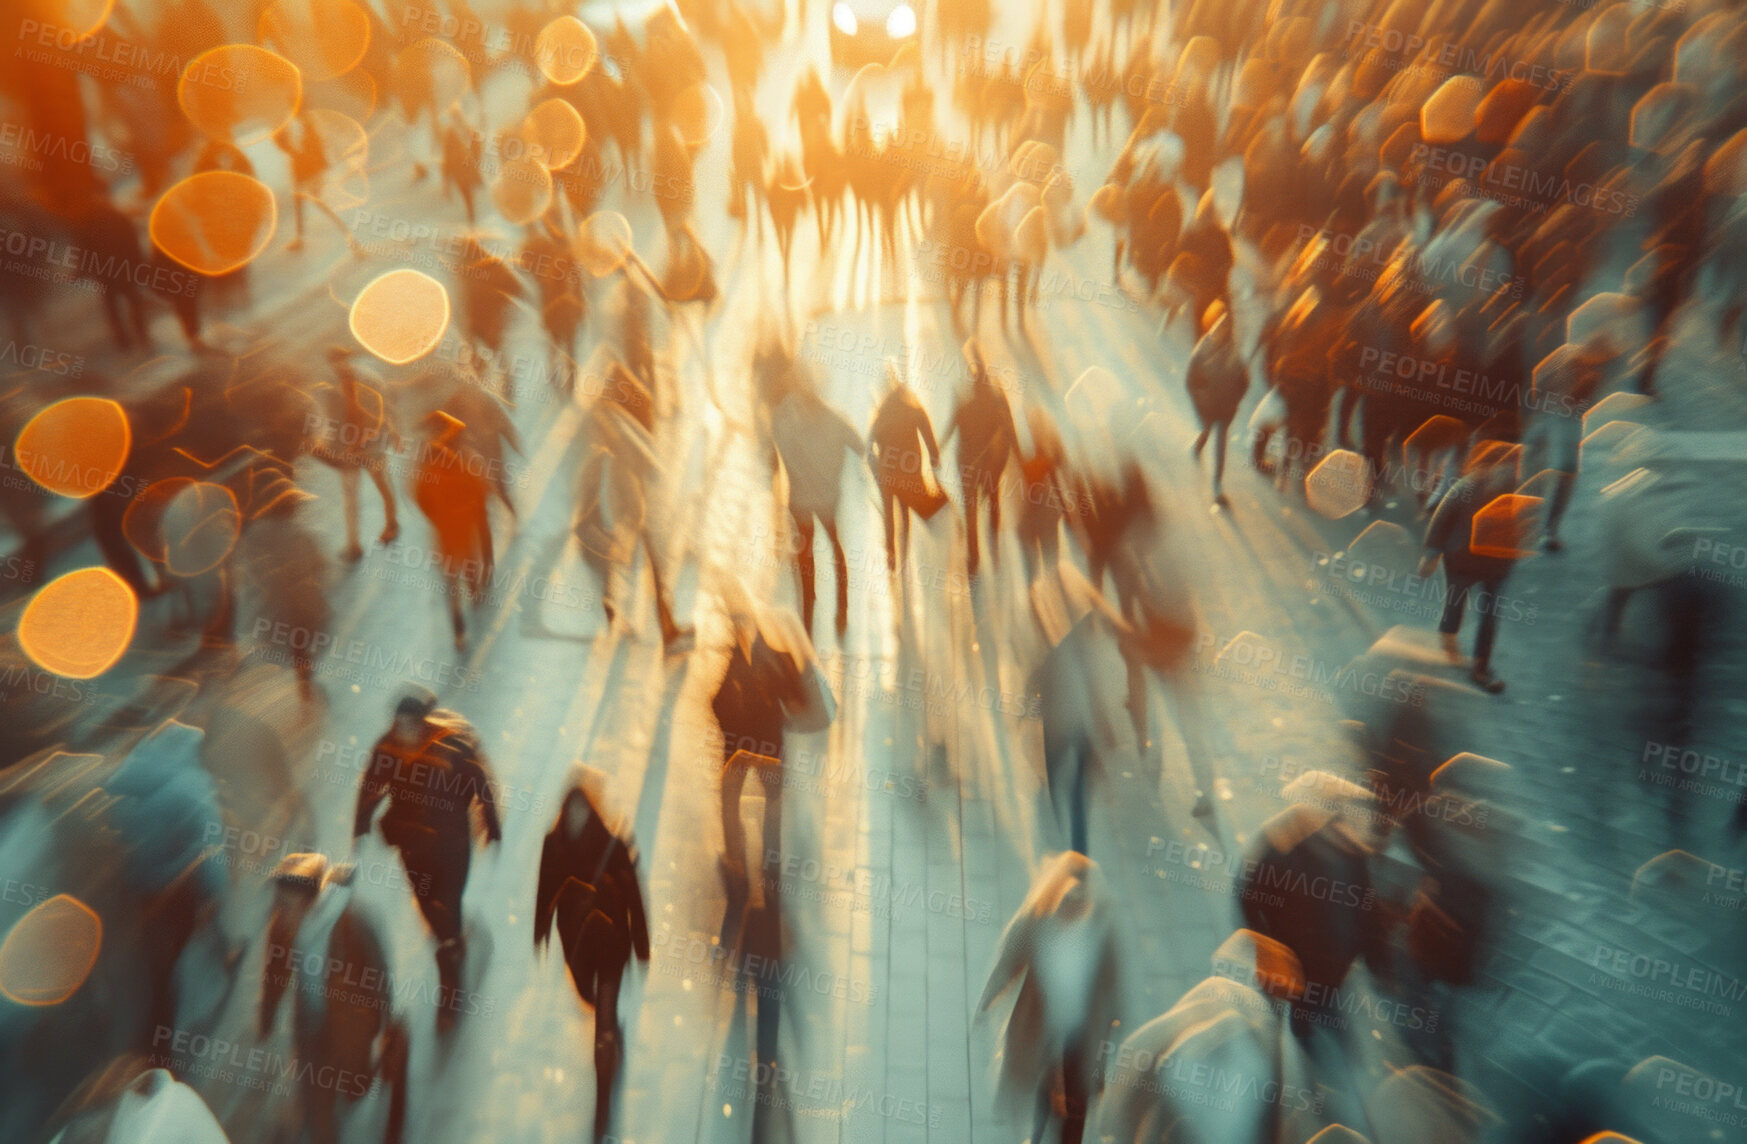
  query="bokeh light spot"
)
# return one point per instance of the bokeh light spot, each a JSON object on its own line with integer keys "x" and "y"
{"x": 200, "y": 527}
{"x": 603, "y": 242}
{"x": 323, "y": 38}
{"x": 78, "y": 625}
{"x": 75, "y": 447}
{"x": 522, "y": 190}
{"x": 554, "y": 133}
{"x": 432, "y": 73}
{"x": 239, "y": 92}
{"x": 1339, "y": 485}
{"x": 565, "y": 50}
{"x": 215, "y": 221}
{"x": 400, "y": 316}
{"x": 50, "y": 951}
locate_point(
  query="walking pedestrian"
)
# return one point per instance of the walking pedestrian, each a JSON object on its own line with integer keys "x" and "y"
{"x": 1470, "y": 569}
{"x": 901, "y": 431}
{"x": 431, "y": 769}
{"x": 988, "y": 439}
{"x": 588, "y": 886}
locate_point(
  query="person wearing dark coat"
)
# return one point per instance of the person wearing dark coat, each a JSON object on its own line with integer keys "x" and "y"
{"x": 901, "y": 431}
{"x": 987, "y": 441}
{"x": 431, "y": 769}
{"x": 1450, "y": 535}
{"x": 1218, "y": 378}
{"x": 1306, "y": 883}
{"x": 588, "y": 885}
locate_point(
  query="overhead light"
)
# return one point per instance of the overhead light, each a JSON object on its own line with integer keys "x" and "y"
{"x": 902, "y": 22}
{"x": 844, "y": 18}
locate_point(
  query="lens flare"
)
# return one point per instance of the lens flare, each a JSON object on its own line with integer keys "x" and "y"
{"x": 400, "y": 316}
{"x": 324, "y": 38}
{"x": 79, "y": 625}
{"x": 565, "y": 50}
{"x": 215, "y": 221}
{"x": 239, "y": 92}
{"x": 50, "y": 952}
{"x": 75, "y": 447}
{"x": 522, "y": 190}
{"x": 200, "y": 528}
{"x": 603, "y": 242}
{"x": 698, "y": 113}
{"x": 432, "y": 73}
{"x": 554, "y": 133}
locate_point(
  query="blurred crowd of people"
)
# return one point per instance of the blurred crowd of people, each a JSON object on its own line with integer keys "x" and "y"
{"x": 1421, "y": 247}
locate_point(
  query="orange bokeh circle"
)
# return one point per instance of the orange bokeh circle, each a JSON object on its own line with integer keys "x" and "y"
{"x": 239, "y": 92}
{"x": 75, "y": 447}
{"x": 215, "y": 221}
{"x": 80, "y": 624}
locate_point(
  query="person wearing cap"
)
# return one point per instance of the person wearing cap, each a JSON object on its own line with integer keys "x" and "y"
{"x": 588, "y": 886}
{"x": 988, "y": 439}
{"x": 431, "y": 769}
{"x": 901, "y": 431}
